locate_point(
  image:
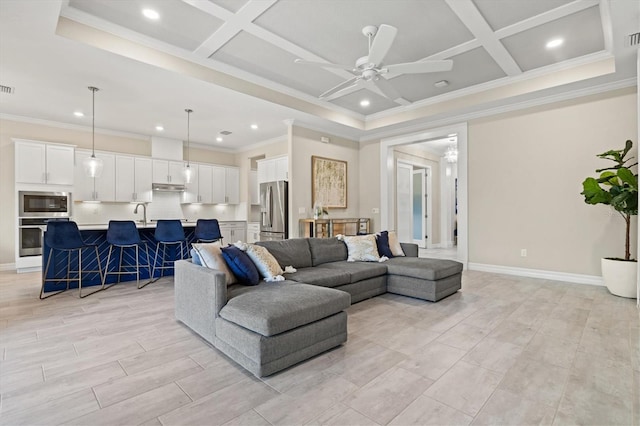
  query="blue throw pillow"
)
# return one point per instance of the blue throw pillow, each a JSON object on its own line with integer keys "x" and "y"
{"x": 241, "y": 265}
{"x": 382, "y": 241}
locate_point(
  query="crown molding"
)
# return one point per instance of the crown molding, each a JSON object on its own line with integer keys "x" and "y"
{"x": 545, "y": 100}
{"x": 263, "y": 143}
{"x": 68, "y": 126}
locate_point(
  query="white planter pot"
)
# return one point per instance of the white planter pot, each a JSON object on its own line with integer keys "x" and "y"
{"x": 620, "y": 277}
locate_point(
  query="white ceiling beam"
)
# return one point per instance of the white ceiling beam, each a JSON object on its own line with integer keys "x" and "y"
{"x": 471, "y": 17}
{"x": 234, "y": 23}
{"x": 543, "y": 18}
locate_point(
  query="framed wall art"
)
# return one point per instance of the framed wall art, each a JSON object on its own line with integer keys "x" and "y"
{"x": 329, "y": 182}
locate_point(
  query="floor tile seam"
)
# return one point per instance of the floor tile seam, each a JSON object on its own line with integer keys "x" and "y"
{"x": 173, "y": 342}
{"x": 381, "y": 424}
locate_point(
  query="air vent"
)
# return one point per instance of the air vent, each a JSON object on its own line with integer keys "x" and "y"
{"x": 634, "y": 39}
{"x": 225, "y": 132}
{"x": 7, "y": 90}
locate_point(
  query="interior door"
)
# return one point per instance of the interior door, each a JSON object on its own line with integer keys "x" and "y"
{"x": 404, "y": 202}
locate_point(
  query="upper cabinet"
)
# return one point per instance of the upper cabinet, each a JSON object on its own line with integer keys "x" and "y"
{"x": 44, "y": 163}
{"x": 226, "y": 185}
{"x": 165, "y": 171}
{"x": 133, "y": 179}
{"x": 101, "y": 188}
{"x": 273, "y": 169}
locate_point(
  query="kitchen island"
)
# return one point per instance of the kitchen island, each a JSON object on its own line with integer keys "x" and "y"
{"x": 97, "y": 234}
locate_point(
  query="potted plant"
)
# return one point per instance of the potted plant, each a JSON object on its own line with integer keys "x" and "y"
{"x": 617, "y": 186}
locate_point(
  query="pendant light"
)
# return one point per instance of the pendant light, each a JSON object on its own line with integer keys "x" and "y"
{"x": 93, "y": 165}
{"x": 188, "y": 173}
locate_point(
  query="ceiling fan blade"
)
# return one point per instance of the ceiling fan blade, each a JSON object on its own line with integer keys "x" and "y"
{"x": 323, "y": 64}
{"x": 386, "y": 88}
{"x": 420, "y": 67}
{"x": 342, "y": 86}
{"x": 382, "y": 43}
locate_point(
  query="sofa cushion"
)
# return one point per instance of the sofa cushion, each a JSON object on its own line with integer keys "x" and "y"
{"x": 210, "y": 256}
{"x": 294, "y": 252}
{"x": 394, "y": 244}
{"x": 325, "y": 250}
{"x": 264, "y": 261}
{"x": 428, "y": 269}
{"x": 274, "y": 308}
{"x": 241, "y": 265}
{"x": 358, "y": 271}
{"x": 320, "y": 276}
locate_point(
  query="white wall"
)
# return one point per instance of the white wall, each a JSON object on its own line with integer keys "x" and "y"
{"x": 525, "y": 176}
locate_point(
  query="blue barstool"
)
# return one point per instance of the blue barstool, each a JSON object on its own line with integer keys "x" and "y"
{"x": 168, "y": 232}
{"x": 207, "y": 231}
{"x": 124, "y": 234}
{"x": 65, "y": 237}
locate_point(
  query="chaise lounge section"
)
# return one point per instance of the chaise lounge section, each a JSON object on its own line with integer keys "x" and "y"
{"x": 274, "y": 325}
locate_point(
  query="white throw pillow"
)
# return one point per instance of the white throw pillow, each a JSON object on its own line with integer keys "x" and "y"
{"x": 267, "y": 265}
{"x": 211, "y": 257}
{"x": 362, "y": 248}
{"x": 394, "y": 244}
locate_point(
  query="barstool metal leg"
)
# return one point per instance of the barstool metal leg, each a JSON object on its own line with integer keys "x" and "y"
{"x": 44, "y": 279}
{"x": 80, "y": 272}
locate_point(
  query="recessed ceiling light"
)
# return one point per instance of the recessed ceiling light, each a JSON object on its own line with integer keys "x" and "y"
{"x": 151, "y": 14}
{"x": 440, "y": 84}
{"x": 219, "y": 139}
{"x": 254, "y": 126}
{"x": 365, "y": 103}
{"x": 159, "y": 128}
{"x": 78, "y": 113}
{"x": 451, "y": 135}
{"x": 556, "y": 42}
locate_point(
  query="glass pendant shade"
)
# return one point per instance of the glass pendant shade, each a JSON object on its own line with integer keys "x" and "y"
{"x": 92, "y": 166}
{"x": 188, "y": 173}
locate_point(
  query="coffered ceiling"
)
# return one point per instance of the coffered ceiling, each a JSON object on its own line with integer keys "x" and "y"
{"x": 242, "y": 53}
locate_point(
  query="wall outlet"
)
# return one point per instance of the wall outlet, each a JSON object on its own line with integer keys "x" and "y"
{"x": 302, "y": 210}
{"x": 375, "y": 210}
{"x": 523, "y": 252}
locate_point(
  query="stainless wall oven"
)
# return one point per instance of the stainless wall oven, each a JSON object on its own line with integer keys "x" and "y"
{"x": 35, "y": 209}
{"x": 44, "y": 204}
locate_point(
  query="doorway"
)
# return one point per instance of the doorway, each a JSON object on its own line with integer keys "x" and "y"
{"x": 413, "y": 203}
{"x": 452, "y": 228}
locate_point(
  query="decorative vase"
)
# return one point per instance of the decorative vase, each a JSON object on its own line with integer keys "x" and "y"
{"x": 620, "y": 277}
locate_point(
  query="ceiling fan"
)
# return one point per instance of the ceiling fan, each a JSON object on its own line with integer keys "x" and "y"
{"x": 371, "y": 68}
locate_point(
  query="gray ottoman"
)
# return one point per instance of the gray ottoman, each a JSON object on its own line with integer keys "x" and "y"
{"x": 428, "y": 279}
{"x": 276, "y": 325}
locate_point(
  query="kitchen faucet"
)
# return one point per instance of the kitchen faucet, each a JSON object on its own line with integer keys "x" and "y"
{"x": 144, "y": 212}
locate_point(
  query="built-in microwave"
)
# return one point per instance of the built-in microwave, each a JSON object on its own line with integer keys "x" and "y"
{"x": 44, "y": 204}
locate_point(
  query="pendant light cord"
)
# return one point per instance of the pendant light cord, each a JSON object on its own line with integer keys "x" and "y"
{"x": 188, "y": 111}
{"x": 93, "y": 120}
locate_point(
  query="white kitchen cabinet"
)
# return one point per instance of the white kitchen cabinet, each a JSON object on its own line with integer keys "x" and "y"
{"x": 233, "y": 231}
{"x": 282, "y": 168}
{"x": 205, "y": 184}
{"x": 254, "y": 188}
{"x": 101, "y": 188}
{"x": 43, "y": 163}
{"x": 200, "y": 189}
{"x": 273, "y": 169}
{"x": 225, "y": 185}
{"x": 253, "y": 232}
{"x": 133, "y": 179}
{"x": 232, "y": 185}
{"x": 165, "y": 171}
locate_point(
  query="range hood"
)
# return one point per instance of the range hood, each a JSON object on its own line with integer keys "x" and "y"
{"x": 168, "y": 187}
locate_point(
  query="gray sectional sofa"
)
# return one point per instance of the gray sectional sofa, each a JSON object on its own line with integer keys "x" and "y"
{"x": 271, "y": 326}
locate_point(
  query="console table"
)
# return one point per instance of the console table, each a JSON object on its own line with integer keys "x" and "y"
{"x": 327, "y": 228}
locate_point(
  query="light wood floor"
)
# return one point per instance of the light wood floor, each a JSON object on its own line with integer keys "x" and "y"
{"x": 505, "y": 350}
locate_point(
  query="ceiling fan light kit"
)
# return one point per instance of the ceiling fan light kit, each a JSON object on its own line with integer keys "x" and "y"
{"x": 371, "y": 68}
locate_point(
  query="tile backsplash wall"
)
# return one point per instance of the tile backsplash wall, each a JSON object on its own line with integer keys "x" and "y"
{"x": 165, "y": 205}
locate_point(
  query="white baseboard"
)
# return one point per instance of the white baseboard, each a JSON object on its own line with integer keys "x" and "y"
{"x": 7, "y": 266}
{"x": 538, "y": 273}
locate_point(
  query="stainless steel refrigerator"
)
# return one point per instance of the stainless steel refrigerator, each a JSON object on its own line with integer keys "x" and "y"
{"x": 274, "y": 211}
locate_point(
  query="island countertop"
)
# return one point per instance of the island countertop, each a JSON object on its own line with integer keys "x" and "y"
{"x": 149, "y": 225}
